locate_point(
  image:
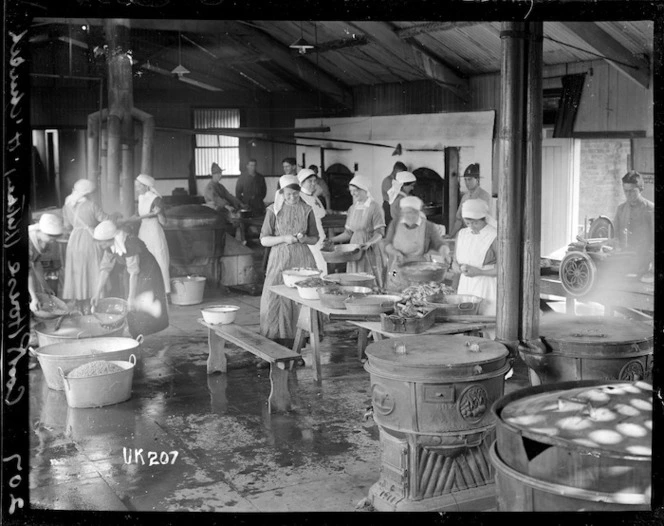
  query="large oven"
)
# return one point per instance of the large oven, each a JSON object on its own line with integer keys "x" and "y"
{"x": 337, "y": 177}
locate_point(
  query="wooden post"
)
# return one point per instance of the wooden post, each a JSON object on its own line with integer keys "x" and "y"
{"x": 511, "y": 131}
{"x": 532, "y": 190}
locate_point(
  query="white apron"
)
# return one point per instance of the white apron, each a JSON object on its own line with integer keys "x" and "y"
{"x": 319, "y": 213}
{"x": 152, "y": 234}
{"x": 471, "y": 250}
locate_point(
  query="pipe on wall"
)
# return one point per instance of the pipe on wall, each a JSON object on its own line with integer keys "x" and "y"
{"x": 532, "y": 190}
{"x": 147, "y": 149}
{"x": 112, "y": 193}
{"x": 511, "y": 132}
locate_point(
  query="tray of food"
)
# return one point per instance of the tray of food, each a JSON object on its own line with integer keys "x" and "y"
{"x": 408, "y": 319}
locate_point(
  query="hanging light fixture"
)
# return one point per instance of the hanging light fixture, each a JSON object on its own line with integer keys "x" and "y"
{"x": 301, "y": 44}
{"x": 180, "y": 70}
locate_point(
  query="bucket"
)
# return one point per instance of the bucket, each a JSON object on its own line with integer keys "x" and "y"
{"x": 574, "y": 446}
{"x": 187, "y": 290}
{"x": 68, "y": 356}
{"x": 98, "y": 391}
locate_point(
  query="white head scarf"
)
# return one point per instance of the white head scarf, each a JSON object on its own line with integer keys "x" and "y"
{"x": 400, "y": 179}
{"x": 303, "y": 175}
{"x": 284, "y": 181}
{"x": 107, "y": 230}
{"x": 51, "y": 224}
{"x": 477, "y": 209}
{"x": 149, "y": 182}
{"x": 361, "y": 182}
{"x": 81, "y": 188}
{"x": 414, "y": 202}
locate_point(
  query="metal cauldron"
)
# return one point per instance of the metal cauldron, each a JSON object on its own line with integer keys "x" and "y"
{"x": 574, "y": 446}
{"x": 590, "y": 347}
{"x": 432, "y": 406}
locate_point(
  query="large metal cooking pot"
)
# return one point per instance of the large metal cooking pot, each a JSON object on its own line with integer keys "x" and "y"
{"x": 186, "y": 216}
{"x": 431, "y": 404}
{"x": 590, "y": 348}
{"x": 574, "y": 446}
{"x": 194, "y": 231}
{"x": 439, "y": 386}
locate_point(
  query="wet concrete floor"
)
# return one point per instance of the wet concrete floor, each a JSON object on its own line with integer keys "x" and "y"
{"x": 217, "y": 447}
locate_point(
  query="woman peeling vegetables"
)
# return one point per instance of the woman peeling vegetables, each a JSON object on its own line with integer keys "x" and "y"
{"x": 289, "y": 228}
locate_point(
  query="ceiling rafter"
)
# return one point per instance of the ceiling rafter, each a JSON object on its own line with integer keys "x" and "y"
{"x": 304, "y": 70}
{"x": 431, "y": 27}
{"x": 415, "y": 57}
{"x": 342, "y": 43}
{"x": 604, "y": 44}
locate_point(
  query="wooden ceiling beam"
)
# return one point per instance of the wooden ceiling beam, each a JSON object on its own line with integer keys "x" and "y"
{"x": 212, "y": 27}
{"x": 431, "y": 27}
{"x": 299, "y": 67}
{"x": 635, "y": 67}
{"x": 342, "y": 43}
{"x": 415, "y": 57}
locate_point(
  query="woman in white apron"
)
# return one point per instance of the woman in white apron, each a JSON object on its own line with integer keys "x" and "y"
{"x": 152, "y": 218}
{"x": 307, "y": 179}
{"x": 476, "y": 255}
{"x": 81, "y": 215}
{"x": 410, "y": 238}
{"x": 402, "y": 186}
{"x": 365, "y": 226}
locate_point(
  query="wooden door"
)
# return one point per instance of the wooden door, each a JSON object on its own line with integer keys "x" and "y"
{"x": 643, "y": 161}
{"x": 560, "y": 204}
{"x": 451, "y": 190}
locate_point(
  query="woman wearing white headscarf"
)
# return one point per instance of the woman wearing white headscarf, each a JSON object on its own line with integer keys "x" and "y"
{"x": 80, "y": 216}
{"x": 308, "y": 183}
{"x": 152, "y": 219}
{"x": 365, "y": 226}
{"x": 476, "y": 255}
{"x": 410, "y": 238}
{"x": 40, "y": 236}
{"x": 402, "y": 186}
{"x": 289, "y": 227}
{"x": 145, "y": 293}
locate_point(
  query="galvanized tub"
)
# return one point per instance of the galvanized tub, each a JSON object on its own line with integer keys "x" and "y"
{"x": 101, "y": 390}
{"x": 574, "y": 446}
{"x": 187, "y": 290}
{"x": 68, "y": 356}
{"x": 73, "y": 329}
{"x": 591, "y": 347}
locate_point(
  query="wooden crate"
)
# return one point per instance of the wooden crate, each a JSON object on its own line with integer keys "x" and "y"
{"x": 408, "y": 325}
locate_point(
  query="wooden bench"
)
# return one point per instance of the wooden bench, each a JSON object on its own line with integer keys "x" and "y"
{"x": 281, "y": 358}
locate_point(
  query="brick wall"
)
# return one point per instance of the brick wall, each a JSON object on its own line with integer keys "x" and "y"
{"x": 603, "y": 163}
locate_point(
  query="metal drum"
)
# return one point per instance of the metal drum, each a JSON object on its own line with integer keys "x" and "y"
{"x": 432, "y": 406}
{"x": 574, "y": 446}
{"x": 591, "y": 347}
